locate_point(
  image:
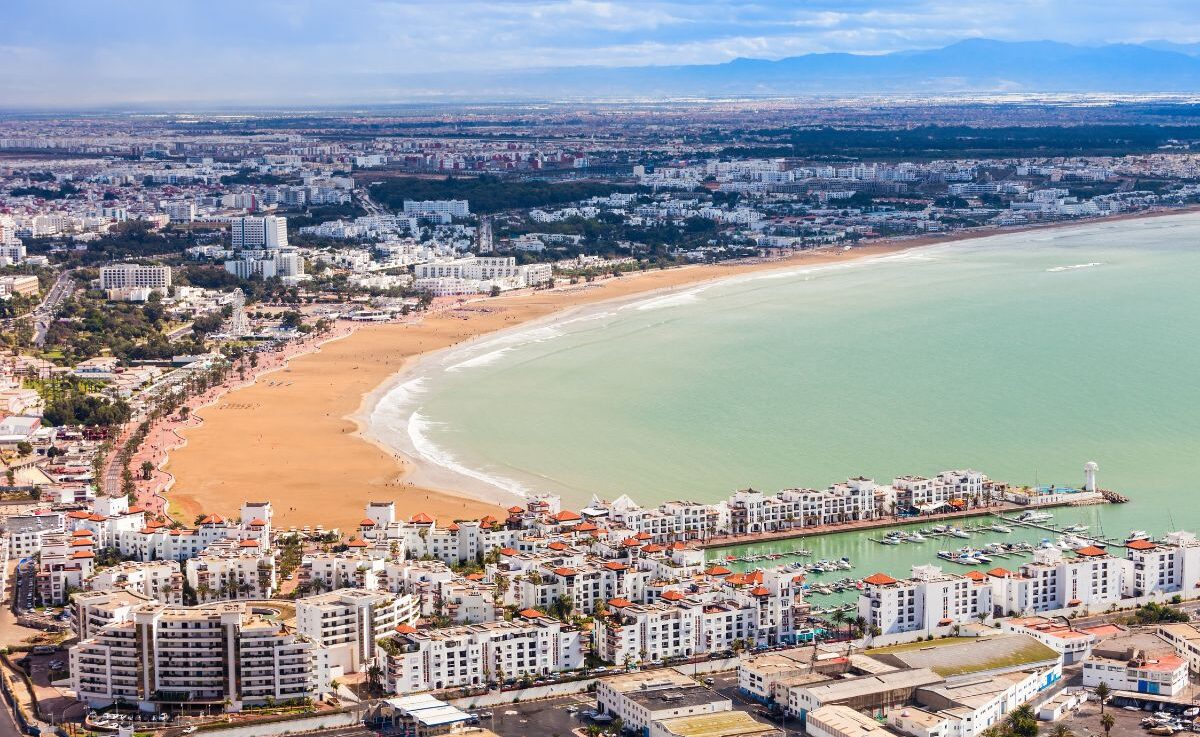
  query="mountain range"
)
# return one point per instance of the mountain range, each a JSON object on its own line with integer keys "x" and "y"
{"x": 971, "y": 66}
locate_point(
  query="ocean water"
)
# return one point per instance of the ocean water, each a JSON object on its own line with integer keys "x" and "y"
{"x": 1022, "y": 355}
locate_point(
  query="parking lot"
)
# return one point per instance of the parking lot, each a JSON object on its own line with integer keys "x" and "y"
{"x": 558, "y": 717}
{"x": 1085, "y": 722}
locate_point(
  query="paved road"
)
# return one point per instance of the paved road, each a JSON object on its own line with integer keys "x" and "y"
{"x": 43, "y": 315}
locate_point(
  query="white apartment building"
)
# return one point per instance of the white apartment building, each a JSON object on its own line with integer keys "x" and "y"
{"x": 452, "y": 208}
{"x": 221, "y": 654}
{"x": 496, "y": 269}
{"x": 159, "y": 580}
{"x": 918, "y": 493}
{"x": 180, "y": 212}
{"x": 1173, "y": 566}
{"x": 132, "y": 276}
{"x": 679, "y": 627}
{"x": 26, "y": 532}
{"x": 1091, "y": 579}
{"x": 91, "y": 610}
{"x": 476, "y": 654}
{"x": 930, "y": 599}
{"x": 232, "y": 569}
{"x": 752, "y": 511}
{"x": 267, "y": 232}
{"x": 347, "y": 622}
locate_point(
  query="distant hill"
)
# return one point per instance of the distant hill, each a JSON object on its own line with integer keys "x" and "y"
{"x": 976, "y": 65}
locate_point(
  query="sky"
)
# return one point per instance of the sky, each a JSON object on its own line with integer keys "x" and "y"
{"x": 78, "y": 53}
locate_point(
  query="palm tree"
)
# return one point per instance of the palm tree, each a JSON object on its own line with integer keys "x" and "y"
{"x": 860, "y": 624}
{"x": 1106, "y": 723}
{"x": 374, "y": 676}
{"x": 838, "y": 618}
{"x": 1022, "y": 722}
{"x": 1102, "y": 692}
{"x": 1062, "y": 730}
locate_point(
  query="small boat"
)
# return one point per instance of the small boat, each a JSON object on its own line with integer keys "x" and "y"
{"x": 917, "y": 537}
{"x": 1137, "y": 535}
{"x": 1034, "y": 516}
{"x": 982, "y": 558}
{"x": 956, "y": 532}
{"x": 1076, "y": 528}
{"x": 1001, "y": 528}
{"x": 945, "y": 554}
{"x": 939, "y": 528}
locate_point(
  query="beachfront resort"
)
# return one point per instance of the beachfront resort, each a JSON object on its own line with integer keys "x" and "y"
{"x": 236, "y": 614}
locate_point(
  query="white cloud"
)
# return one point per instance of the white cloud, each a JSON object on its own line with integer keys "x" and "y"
{"x": 78, "y": 51}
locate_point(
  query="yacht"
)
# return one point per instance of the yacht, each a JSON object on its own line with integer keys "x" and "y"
{"x": 1034, "y": 516}
{"x": 956, "y": 532}
{"x": 1137, "y": 535}
{"x": 917, "y": 537}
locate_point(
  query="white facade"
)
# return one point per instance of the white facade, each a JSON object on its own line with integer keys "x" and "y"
{"x": 347, "y": 622}
{"x": 269, "y": 232}
{"x": 219, "y": 654}
{"x": 129, "y": 276}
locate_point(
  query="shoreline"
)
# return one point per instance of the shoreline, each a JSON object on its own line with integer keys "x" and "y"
{"x": 349, "y": 385}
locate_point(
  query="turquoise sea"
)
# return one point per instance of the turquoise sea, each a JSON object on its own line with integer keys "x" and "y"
{"x": 1022, "y": 355}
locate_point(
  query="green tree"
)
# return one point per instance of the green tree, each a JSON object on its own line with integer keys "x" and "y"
{"x": 1106, "y": 723}
{"x": 1022, "y": 722}
{"x": 1102, "y": 692}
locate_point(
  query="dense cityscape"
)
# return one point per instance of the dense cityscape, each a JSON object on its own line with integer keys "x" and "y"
{"x": 207, "y": 317}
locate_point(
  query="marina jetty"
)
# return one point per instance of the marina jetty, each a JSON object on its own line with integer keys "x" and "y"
{"x": 860, "y": 503}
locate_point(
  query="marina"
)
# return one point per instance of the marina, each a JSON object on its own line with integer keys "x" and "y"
{"x": 998, "y": 540}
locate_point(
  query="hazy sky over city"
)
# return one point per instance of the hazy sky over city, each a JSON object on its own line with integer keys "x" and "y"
{"x": 83, "y": 52}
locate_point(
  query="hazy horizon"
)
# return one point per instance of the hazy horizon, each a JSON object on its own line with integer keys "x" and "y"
{"x": 76, "y": 54}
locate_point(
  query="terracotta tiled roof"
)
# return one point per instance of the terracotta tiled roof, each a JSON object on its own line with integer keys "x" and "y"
{"x": 879, "y": 579}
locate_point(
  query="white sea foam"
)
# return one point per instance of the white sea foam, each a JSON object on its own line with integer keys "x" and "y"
{"x": 418, "y": 427}
{"x": 676, "y": 299}
{"x": 1075, "y": 266}
{"x": 488, "y": 352}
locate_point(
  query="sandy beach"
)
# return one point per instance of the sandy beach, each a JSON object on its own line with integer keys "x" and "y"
{"x": 294, "y": 436}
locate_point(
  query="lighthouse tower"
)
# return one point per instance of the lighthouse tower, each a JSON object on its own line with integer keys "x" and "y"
{"x": 1089, "y": 475}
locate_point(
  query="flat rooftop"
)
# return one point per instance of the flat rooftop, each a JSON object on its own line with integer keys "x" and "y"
{"x": 675, "y": 697}
{"x": 724, "y": 724}
{"x": 644, "y": 680}
{"x": 851, "y": 688}
{"x": 958, "y": 656}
